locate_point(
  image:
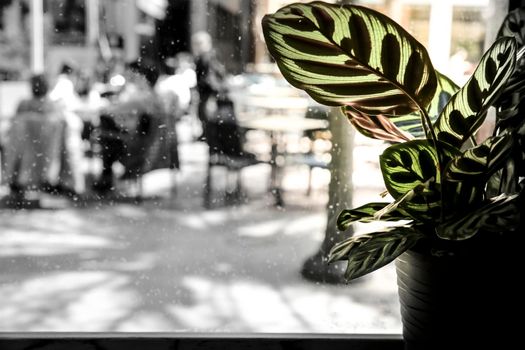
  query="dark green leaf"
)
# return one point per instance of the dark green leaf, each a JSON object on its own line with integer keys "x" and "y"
{"x": 369, "y": 252}
{"x": 505, "y": 180}
{"x": 497, "y": 214}
{"x": 511, "y": 102}
{"x": 407, "y": 165}
{"x": 479, "y": 163}
{"x": 465, "y": 111}
{"x": 460, "y": 196}
{"x": 514, "y": 26}
{"x": 350, "y": 55}
{"x": 366, "y": 213}
{"x": 411, "y": 123}
{"x": 413, "y": 166}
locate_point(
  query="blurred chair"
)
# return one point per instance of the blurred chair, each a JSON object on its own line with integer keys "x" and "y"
{"x": 225, "y": 148}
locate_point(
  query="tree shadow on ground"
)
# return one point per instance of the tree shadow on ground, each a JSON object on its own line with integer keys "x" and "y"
{"x": 128, "y": 267}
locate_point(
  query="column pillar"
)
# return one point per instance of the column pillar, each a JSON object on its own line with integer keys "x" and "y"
{"x": 198, "y": 15}
{"x": 131, "y": 38}
{"x": 440, "y": 33}
{"x": 37, "y": 36}
{"x": 92, "y": 23}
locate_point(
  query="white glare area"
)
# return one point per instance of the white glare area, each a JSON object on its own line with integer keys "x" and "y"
{"x": 117, "y": 80}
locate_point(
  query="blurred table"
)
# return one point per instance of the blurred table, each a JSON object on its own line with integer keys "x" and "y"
{"x": 270, "y": 104}
{"x": 283, "y": 124}
{"x": 276, "y": 102}
{"x": 277, "y": 126}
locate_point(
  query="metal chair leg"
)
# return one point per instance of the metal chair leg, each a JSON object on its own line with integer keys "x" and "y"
{"x": 207, "y": 188}
{"x": 309, "y": 189}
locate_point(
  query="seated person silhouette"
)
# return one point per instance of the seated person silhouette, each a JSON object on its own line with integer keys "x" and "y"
{"x": 35, "y": 151}
{"x": 131, "y": 129}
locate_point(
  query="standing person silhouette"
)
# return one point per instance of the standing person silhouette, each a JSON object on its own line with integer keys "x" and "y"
{"x": 210, "y": 77}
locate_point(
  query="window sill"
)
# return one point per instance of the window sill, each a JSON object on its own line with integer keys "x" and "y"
{"x": 161, "y": 341}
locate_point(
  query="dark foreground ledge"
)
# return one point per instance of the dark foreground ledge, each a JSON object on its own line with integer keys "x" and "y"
{"x": 174, "y": 341}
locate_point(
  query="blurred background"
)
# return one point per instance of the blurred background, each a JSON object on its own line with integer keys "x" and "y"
{"x": 137, "y": 196}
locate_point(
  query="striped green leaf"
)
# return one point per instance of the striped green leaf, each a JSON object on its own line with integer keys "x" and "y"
{"x": 479, "y": 163}
{"x": 507, "y": 180}
{"x": 497, "y": 214}
{"x": 376, "y": 127}
{"x": 366, "y": 213}
{"x": 411, "y": 123}
{"x": 369, "y": 252}
{"x": 514, "y": 26}
{"x": 512, "y": 97}
{"x": 460, "y": 196}
{"x": 445, "y": 90}
{"x": 350, "y": 55}
{"x": 465, "y": 111}
{"x": 405, "y": 166}
{"x": 509, "y": 116}
{"x": 414, "y": 166}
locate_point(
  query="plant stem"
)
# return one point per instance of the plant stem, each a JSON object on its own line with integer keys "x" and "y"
{"x": 429, "y": 131}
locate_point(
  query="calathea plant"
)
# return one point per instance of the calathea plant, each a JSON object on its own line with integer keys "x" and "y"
{"x": 509, "y": 114}
{"x": 382, "y": 78}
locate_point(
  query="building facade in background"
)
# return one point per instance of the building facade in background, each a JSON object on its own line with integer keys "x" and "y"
{"x": 88, "y": 31}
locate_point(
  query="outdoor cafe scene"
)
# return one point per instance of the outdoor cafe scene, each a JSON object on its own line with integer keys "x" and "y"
{"x": 158, "y": 173}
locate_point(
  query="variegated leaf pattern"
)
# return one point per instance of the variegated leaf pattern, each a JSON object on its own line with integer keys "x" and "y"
{"x": 366, "y": 213}
{"x": 516, "y": 83}
{"x": 510, "y": 103}
{"x": 350, "y": 55}
{"x": 460, "y": 196}
{"x": 514, "y": 26}
{"x": 411, "y": 166}
{"x": 411, "y": 123}
{"x": 497, "y": 214}
{"x": 368, "y": 252}
{"x": 445, "y": 90}
{"x": 376, "y": 127}
{"x": 505, "y": 180}
{"x": 465, "y": 111}
{"x": 477, "y": 164}
{"x": 408, "y": 165}
{"x": 509, "y": 116}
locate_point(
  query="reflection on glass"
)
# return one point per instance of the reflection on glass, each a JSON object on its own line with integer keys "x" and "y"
{"x": 143, "y": 252}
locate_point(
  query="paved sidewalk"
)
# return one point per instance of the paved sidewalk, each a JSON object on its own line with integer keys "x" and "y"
{"x": 170, "y": 265}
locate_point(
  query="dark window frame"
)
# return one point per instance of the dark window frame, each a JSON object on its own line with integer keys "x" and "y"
{"x": 172, "y": 341}
{"x": 163, "y": 341}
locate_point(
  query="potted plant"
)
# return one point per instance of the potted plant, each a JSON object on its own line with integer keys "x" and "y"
{"x": 456, "y": 244}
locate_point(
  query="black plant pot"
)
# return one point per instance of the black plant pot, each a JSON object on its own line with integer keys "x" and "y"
{"x": 463, "y": 294}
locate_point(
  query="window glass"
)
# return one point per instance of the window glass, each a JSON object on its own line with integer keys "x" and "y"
{"x": 416, "y": 18}
{"x": 468, "y": 40}
{"x": 128, "y": 204}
